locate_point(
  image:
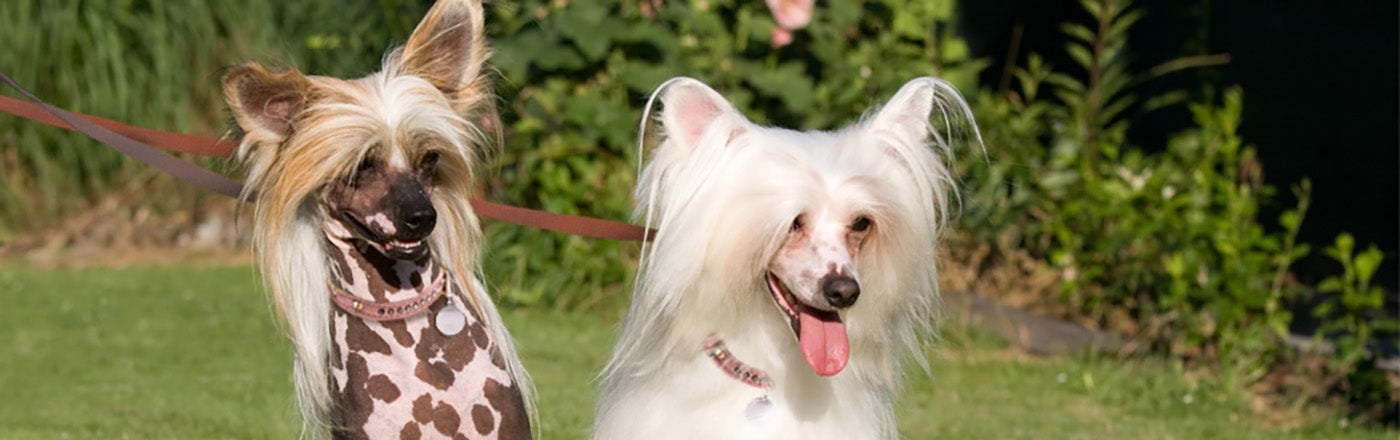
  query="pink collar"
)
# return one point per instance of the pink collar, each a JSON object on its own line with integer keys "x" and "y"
{"x": 715, "y": 349}
{"x": 388, "y": 311}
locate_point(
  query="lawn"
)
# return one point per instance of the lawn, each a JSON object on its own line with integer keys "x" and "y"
{"x": 192, "y": 352}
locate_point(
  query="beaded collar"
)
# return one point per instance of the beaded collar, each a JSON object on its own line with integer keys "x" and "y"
{"x": 388, "y": 311}
{"x": 717, "y": 351}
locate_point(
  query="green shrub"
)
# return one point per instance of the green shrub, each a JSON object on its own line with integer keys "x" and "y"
{"x": 1165, "y": 247}
{"x": 577, "y": 74}
{"x": 1353, "y": 314}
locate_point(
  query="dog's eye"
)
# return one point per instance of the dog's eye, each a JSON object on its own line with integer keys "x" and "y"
{"x": 427, "y": 163}
{"x": 428, "y": 160}
{"x": 796, "y": 224}
{"x": 861, "y": 224}
{"x": 365, "y": 165}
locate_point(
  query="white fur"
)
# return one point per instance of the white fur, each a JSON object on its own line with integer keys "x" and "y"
{"x": 723, "y": 193}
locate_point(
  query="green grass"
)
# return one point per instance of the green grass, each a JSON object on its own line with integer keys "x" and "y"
{"x": 192, "y": 352}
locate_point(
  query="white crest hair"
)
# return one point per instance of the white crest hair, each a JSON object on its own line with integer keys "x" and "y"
{"x": 722, "y": 193}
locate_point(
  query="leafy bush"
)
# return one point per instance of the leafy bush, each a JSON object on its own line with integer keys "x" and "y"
{"x": 1166, "y": 247}
{"x": 577, "y": 74}
{"x": 1353, "y": 314}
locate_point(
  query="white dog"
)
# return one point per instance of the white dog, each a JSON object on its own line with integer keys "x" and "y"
{"x": 792, "y": 273}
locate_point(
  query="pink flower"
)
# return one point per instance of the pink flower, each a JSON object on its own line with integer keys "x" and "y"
{"x": 781, "y": 37}
{"x": 790, "y": 14}
{"x": 649, "y": 8}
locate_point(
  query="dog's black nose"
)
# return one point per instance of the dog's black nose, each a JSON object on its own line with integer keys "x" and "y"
{"x": 420, "y": 221}
{"x": 840, "y": 290}
{"x": 413, "y": 207}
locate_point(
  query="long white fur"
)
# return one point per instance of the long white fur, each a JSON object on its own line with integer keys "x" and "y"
{"x": 723, "y": 192}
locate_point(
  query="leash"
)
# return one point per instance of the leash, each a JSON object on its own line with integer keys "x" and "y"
{"x": 145, "y": 145}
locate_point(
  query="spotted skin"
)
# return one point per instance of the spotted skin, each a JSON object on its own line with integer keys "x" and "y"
{"x": 405, "y": 379}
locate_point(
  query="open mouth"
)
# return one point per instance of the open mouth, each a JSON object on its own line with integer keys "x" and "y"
{"x": 820, "y": 333}
{"x": 397, "y": 249}
{"x": 403, "y": 245}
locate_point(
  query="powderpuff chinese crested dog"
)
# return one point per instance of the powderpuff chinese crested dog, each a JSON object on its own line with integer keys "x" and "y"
{"x": 368, "y": 242}
{"x": 791, "y": 274}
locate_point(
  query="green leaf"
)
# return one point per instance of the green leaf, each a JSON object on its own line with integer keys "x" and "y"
{"x": 842, "y": 13}
{"x": 1069, "y": 83}
{"x": 1094, "y": 7}
{"x": 1078, "y": 32}
{"x": 1366, "y": 264}
{"x": 911, "y": 25}
{"x": 1118, "y": 30}
{"x": 1341, "y": 248}
{"x": 1330, "y": 285}
{"x": 1290, "y": 220}
{"x": 589, "y": 27}
{"x": 1080, "y": 55}
{"x": 788, "y": 83}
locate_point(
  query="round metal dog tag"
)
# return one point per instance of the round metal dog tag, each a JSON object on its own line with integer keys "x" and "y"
{"x": 450, "y": 321}
{"x": 758, "y": 410}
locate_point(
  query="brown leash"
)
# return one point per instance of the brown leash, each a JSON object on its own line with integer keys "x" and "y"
{"x": 142, "y": 143}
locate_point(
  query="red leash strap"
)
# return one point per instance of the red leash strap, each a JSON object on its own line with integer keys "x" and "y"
{"x": 184, "y": 143}
{"x": 140, "y": 144}
{"x": 569, "y": 224}
{"x": 147, "y": 154}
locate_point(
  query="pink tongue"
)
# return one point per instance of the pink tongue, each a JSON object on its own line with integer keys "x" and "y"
{"x": 823, "y": 340}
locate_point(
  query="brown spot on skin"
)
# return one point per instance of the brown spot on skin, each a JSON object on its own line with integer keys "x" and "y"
{"x": 423, "y": 409}
{"x": 459, "y": 358}
{"x": 483, "y": 419}
{"x": 359, "y": 338}
{"x": 400, "y": 330}
{"x": 336, "y": 363}
{"x": 496, "y": 358}
{"x": 479, "y": 335}
{"x": 445, "y": 419}
{"x": 434, "y": 373}
{"x": 342, "y": 265}
{"x": 431, "y": 344}
{"x": 380, "y": 387}
{"x": 410, "y": 432}
{"x": 353, "y": 403}
{"x": 507, "y": 400}
{"x": 457, "y": 350}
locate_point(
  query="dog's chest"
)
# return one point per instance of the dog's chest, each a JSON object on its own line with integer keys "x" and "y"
{"x": 405, "y": 379}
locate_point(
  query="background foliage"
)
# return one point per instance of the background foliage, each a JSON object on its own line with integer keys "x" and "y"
{"x": 1166, "y": 247}
{"x": 576, "y": 76}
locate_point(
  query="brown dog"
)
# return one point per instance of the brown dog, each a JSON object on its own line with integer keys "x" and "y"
{"x": 368, "y": 243}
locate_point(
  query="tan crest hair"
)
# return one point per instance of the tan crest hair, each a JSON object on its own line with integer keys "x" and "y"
{"x": 304, "y": 131}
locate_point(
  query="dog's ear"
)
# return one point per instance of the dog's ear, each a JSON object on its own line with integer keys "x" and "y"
{"x": 907, "y": 115}
{"x": 909, "y": 111}
{"x": 448, "y": 48}
{"x": 689, "y": 108}
{"x": 265, "y": 103}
